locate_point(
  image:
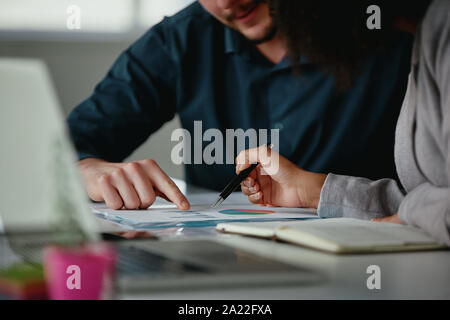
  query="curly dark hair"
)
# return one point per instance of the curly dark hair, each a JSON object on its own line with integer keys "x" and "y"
{"x": 333, "y": 35}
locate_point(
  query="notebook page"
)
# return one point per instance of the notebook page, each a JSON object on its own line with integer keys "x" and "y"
{"x": 256, "y": 229}
{"x": 355, "y": 233}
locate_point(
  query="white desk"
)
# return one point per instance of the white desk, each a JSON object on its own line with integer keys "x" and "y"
{"x": 413, "y": 275}
{"x": 424, "y": 275}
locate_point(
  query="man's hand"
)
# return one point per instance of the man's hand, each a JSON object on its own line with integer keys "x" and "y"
{"x": 133, "y": 185}
{"x": 278, "y": 183}
{"x": 392, "y": 219}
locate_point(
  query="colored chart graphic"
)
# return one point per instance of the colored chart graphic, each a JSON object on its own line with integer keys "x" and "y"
{"x": 245, "y": 211}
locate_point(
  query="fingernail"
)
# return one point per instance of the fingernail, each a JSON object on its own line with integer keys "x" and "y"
{"x": 256, "y": 195}
{"x": 184, "y": 204}
{"x": 252, "y": 189}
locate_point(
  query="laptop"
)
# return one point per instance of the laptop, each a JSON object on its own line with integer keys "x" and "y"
{"x": 41, "y": 194}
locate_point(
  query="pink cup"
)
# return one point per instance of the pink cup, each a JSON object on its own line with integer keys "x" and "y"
{"x": 80, "y": 273}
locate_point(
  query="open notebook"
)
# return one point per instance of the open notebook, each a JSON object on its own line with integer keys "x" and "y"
{"x": 340, "y": 235}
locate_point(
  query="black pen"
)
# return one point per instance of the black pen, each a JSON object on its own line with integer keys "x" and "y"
{"x": 233, "y": 184}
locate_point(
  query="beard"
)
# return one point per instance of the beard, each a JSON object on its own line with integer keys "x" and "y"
{"x": 270, "y": 31}
{"x": 269, "y": 35}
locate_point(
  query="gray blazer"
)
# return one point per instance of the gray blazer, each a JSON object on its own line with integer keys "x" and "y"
{"x": 422, "y": 147}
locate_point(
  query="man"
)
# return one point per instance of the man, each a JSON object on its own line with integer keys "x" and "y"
{"x": 224, "y": 63}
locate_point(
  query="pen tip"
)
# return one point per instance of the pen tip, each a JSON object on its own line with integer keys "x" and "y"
{"x": 218, "y": 202}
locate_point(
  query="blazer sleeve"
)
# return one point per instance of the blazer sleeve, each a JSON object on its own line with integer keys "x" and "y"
{"x": 362, "y": 198}
{"x": 428, "y": 206}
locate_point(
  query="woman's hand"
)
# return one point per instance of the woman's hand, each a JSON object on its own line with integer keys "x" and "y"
{"x": 278, "y": 182}
{"x": 392, "y": 219}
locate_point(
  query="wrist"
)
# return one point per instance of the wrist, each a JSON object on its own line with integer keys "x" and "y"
{"x": 310, "y": 188}
{"x": 321, "y": 177}
{"x": 88, "y": 163}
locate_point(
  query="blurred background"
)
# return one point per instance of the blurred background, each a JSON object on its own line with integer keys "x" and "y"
{"x": 79, "y": 58}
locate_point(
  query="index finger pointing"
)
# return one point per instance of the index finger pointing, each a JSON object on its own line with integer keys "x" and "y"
{"x": 165, "y": 185}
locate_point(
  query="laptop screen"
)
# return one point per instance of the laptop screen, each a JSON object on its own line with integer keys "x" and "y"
{"x": 40, "y": 188}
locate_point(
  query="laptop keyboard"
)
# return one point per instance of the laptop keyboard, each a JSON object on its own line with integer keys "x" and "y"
{"x": 134, "y": 261}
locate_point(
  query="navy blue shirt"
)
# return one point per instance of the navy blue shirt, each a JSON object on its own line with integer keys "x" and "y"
{"x": 192, "y": 65}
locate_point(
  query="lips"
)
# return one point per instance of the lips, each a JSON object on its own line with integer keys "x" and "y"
{"x": 243, "y": 15}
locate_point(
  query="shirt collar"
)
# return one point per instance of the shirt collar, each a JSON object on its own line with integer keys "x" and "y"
{"x": 236, "y": 43}
{"x": 233, "y": 42}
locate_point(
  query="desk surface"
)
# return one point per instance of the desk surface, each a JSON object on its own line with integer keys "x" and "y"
{"x": 413, "y": 275}
{"x": 409, "y": 275}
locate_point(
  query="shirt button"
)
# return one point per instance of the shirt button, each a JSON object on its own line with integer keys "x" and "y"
{"x": 278, "y": 126}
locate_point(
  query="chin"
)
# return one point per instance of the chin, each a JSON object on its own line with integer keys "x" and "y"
{"x": 257, "y": 33}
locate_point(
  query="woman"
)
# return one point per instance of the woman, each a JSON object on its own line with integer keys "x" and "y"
{"x": 422, "y": 148}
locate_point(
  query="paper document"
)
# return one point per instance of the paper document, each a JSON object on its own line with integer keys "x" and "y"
{"x": 166, "y": 215}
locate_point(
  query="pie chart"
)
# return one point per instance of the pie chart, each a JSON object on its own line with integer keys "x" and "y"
{"x": 245, "y": 211}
